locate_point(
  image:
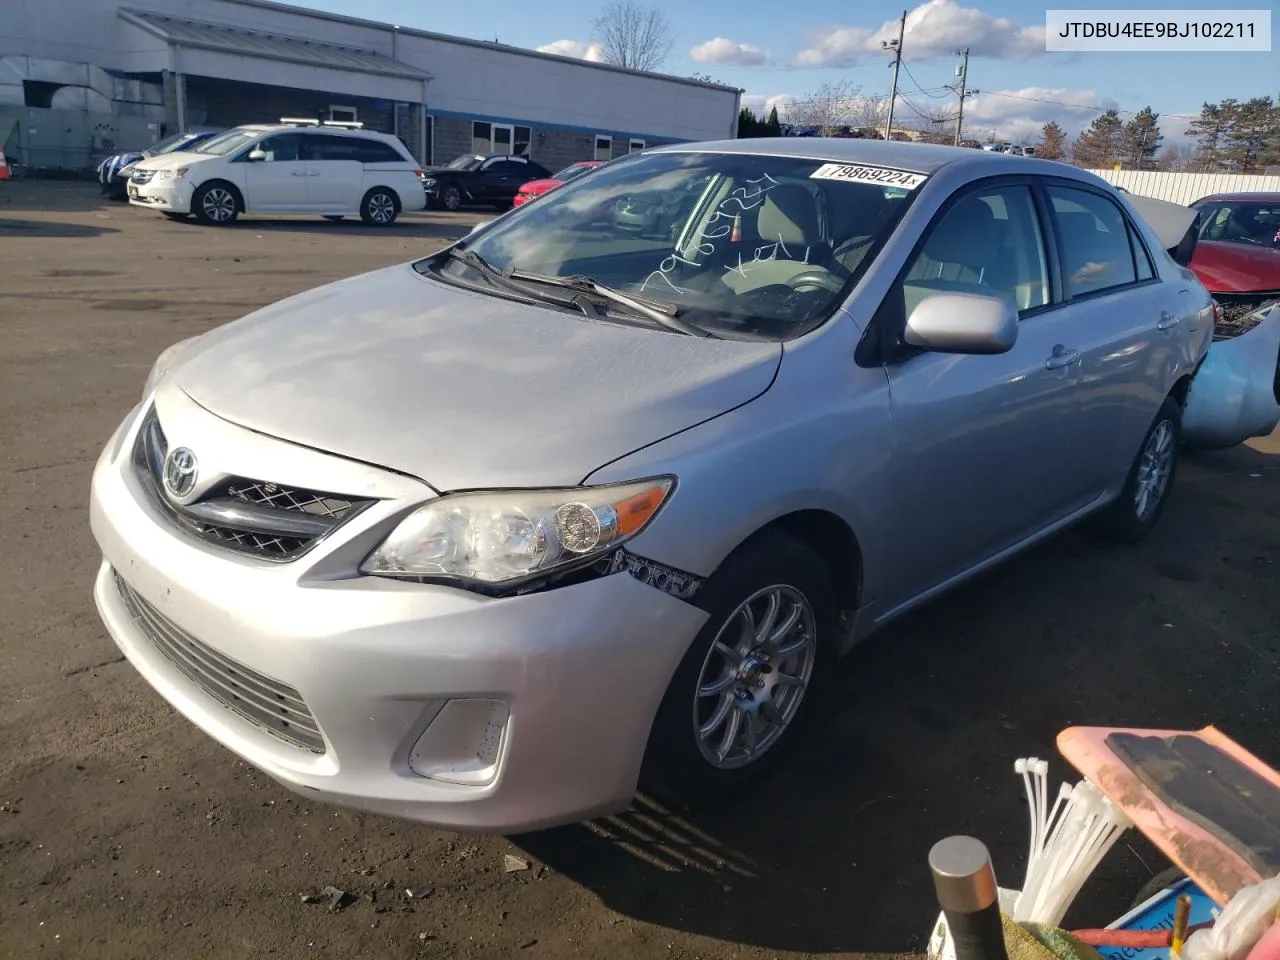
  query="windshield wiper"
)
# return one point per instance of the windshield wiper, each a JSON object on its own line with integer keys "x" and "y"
{"x": 491, "y": 273}
{"x": 666, "y": 314}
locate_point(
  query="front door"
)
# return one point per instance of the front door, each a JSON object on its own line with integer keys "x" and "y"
{"x": 277, "y": 181}
{"x": 983, "y": 449}
{"x": 503, "y": 178}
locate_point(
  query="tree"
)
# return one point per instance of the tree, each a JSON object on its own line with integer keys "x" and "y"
{"x": 772, "y": 124}
{"x": 632, "y": 36}
{"x": 1099, "y": 146}
{"x": 1253, "y": 140}
{"x": 1140, "y": 140}
{"x": 1211, "y": 131}
{"x": 835, "y": 105}
{"x": 749, "y": 125}
{"x": 701, "y": 77}
{"x": 1053, "y": 142}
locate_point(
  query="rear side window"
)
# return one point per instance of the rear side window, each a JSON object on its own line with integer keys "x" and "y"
{"x": 375, "y": 151}
{"x": 322, "y": 147}
{"x": 507, "y": 168}
{"x": 1097, "y": 242}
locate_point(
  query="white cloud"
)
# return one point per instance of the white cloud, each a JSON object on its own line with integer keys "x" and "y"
{"x": 762, "y": 103}
{"x": 723, "y": 50}
{"x": 936, "y": 28}
{"x": 574, "y": 48}
{"x": 1019, "y": 115}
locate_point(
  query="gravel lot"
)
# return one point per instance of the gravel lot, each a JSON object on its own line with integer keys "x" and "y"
{"x": 125, "y": 833}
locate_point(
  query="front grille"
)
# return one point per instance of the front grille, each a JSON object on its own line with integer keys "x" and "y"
{"x": 269, "y": 704}
{"x": 256, "y": 517}
{"x": 142, "y": 176}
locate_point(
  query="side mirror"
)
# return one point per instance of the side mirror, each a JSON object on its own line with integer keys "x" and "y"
{"x": 257, "y": 155}
{"x": 962, "y": 323}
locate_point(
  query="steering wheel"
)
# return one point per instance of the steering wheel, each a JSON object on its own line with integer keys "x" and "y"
{"x": 813, "y": 280}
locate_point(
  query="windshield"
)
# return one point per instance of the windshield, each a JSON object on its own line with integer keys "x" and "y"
{"x": 228, "y": 142}
{"x": 167, "y": 145}
{"x": 465, "y": 162}
{"x": 576, "y": 170}
{"x": 736, "y": 243}
{"x": 1254, "y": 224}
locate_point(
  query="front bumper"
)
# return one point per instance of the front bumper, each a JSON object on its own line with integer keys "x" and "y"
{"x": 389, "y": 670}
{"x": 172, "y": 196}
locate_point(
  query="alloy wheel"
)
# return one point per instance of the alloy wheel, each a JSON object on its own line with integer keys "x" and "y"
{"x": 382, "y": 209}
{"x": 218, "y": 204}
{"x": 1154, "y": 470}
{"x": 452, "y": 199}
{"x": 754, "y": 677}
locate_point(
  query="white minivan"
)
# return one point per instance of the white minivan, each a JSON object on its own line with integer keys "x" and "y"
{"x": 291, "y": 167}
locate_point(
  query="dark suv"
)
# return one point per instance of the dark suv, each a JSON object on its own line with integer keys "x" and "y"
{"x": 480, "y": 180}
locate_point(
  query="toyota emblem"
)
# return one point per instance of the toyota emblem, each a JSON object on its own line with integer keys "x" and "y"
{"x": 180, "y": 472}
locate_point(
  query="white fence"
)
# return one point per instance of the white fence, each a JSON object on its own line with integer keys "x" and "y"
{"x": 1186, "y": 188}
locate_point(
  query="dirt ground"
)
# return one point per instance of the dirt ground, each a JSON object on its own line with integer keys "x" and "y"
{"x": 126, "y": 833}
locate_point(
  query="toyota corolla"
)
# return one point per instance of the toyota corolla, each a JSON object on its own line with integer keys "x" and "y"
{"x": 488, "y": 539}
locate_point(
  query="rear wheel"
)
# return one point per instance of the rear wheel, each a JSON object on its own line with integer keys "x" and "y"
{"x": 216, "y": 204}
{"x": 737, "y": 699}
{"x": 1135, "y": 512}
{"x": 379, "y": 207}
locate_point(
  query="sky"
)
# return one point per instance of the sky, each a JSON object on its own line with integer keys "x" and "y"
{"x": 782, "y": 53}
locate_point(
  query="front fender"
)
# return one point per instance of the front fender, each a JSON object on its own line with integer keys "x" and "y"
{"x": 1235, "y": 394}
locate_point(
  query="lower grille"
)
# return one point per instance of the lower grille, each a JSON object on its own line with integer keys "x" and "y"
{"x": 269, "y": 704}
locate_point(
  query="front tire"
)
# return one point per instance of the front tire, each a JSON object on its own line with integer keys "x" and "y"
{"x": 379, "y": 207}
{"x": 216, "y": 204}
{"x": 1136, "y": 511}
{"x": 451, "y": 199}
{"x": 741, "y": 692}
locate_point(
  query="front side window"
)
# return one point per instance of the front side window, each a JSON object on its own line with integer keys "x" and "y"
{"x": 736, "y": 244}
{"x": 987, "y": 243}
{"x": 282, "y": 148}
{"x": 1096, "y": 250}
{"x": 467, "y": 161}
{"x": 576, "y": 170}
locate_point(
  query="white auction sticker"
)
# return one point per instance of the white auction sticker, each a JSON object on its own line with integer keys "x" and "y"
{"x": 860, "y": 173}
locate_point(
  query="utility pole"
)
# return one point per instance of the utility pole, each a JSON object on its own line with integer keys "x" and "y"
{"x": 963, "y": 70}
{"x": 896, "y": 47}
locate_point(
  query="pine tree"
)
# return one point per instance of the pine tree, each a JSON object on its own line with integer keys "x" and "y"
{"x": 1053, "y": 142}
{"x": 1212, "y": 132}
{"x": 748, "y": 125}
{"x": 1099, "y": 146}
{"x": 1252, "y": 140}
{"x": 772, "y": 127}
{"x": 1140, "y": 140}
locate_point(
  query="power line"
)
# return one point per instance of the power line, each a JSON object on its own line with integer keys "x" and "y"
{"x": 920, "y": 89}
{"x": 1083, "y": 106}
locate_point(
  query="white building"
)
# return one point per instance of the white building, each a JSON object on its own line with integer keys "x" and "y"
{"x": 82, "y": 77}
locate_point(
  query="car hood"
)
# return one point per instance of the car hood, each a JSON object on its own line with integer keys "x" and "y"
{"x": 460, "y": 389}
{"x": 540, "y": 186}
{"x": 1236, "y": 267}
{"x": 179, "y": 158}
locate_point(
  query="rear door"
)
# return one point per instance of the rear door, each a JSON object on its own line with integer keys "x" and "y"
{"x": 278, "y": 182}
{"x": 502, "y": 178}
{"x": 335, "y": 169}
{"x": 1127, "y": 326}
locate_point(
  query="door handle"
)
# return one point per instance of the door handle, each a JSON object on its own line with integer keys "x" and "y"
{"x": 1167, "y": 321}
{"x": 1061, "y": 359}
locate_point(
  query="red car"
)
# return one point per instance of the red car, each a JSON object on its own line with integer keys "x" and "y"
{"x": 1237, "y": 253}
{"x": 536, "y": 188}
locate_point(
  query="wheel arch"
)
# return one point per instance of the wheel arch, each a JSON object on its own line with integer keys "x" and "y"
{"x": 395, "y": 195}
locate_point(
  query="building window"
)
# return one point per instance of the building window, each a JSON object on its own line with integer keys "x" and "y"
{"x": 636, "y": 146}
{"x": 523, "y": 137}
{"x": 604, "y": 147}
{"x": 481, "y": 137}
{"x": 343, "y": 114}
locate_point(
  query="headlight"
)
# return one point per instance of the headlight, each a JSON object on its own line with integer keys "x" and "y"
{"x": 505, "y": 536}
{"x": 175, "y": 174}
{"x": 428, "y": 182}
{"x": 162, "y": 364}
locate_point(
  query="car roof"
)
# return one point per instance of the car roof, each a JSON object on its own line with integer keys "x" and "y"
{"x": 1250, "y": 196}
{"x": 310, "y": 128}
{"x": 925, "y": 158}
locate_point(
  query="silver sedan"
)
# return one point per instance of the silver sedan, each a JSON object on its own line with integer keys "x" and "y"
{"x": 488, "y": 539}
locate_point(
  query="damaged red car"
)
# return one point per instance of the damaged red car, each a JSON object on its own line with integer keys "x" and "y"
{"x": 1237, "y": 254}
